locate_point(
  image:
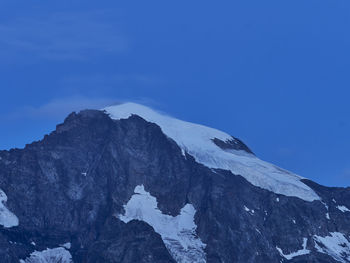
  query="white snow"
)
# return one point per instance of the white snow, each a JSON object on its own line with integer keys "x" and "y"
{"x": 249, "y": 210}
{"x": 7, "y": 218}
{"x": 343, "y": 208}
{"x": 300, "y": 252}
{"x": 325, "y": 205}
{"x": 178, "y": 233}
{"x": 327, "y": 208}
{"x": 50, "y": 255}
{"x": 336, "y": 245}
{"x": 66, "y": 245}
{"x": 196, "y": 140}
{"x": 183, "y": 152}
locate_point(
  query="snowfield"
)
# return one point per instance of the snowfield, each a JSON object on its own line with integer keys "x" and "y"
{"x": 7, "y": 218}
{"x": 196, "y": 140}
{"x": 53, "y": 255}
{"x": 336, "y": 245}
{"x": 178, "y": 233}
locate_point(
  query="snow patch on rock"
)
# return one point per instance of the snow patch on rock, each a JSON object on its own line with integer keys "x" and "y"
{"x": 249, "y": 210}
{"x": 7, "y": 218}
{"x": 178, "y": 233}
{"x": 196, "y": 140}
{"x": 300, "y": 252}
{"x": 67, "y": 245}
{"x": 50, "y": 255}
{"x": 327, "y": 208}
{"x": 343, "y": 208}
{"x": 336, "y": 245}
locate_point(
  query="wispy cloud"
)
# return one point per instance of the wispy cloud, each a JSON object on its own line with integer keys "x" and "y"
{"x": 60, "y": 108}
{"x": 61, "y": 36}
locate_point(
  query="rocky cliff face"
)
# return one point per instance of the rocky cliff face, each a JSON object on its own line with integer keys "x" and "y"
{"x": 107, "y": 189}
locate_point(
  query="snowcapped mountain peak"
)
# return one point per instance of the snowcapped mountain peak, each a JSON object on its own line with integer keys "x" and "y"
{"x": 170, "y": 124}
{"x": 191, "y": 194}
{"x": 207, "y": 146}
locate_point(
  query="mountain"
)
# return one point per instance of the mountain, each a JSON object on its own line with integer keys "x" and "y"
{"x": 129, "y": 184}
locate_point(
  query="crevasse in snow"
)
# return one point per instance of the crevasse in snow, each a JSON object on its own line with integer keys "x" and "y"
{"x": 178, "y": 233}
{"x": 196, "y": 140}
{"x": 7, "y": 218}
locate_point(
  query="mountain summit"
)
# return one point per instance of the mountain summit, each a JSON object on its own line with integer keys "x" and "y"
{"x": 218, "y": 150}
{"x": 129, "y": 184}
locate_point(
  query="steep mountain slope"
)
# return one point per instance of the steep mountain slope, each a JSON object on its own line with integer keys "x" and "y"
{"x": 128, "y": 184}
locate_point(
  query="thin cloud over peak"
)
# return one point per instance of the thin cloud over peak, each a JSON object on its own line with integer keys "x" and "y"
{"x": 60, "y": 108}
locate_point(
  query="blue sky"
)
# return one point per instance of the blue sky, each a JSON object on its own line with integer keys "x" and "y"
{"x": 273, "y": 73}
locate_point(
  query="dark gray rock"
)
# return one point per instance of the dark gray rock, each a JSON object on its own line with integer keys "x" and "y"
{"x": 233, "y": 144}
{"x": 134, "y": 242}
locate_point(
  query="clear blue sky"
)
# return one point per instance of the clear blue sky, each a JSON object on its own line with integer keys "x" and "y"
{"x": 273, "y": 73}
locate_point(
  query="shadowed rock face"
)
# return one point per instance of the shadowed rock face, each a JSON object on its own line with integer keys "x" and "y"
{"x": 72, "y": 185}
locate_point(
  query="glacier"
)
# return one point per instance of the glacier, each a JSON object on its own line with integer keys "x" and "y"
{"x": 197, "y": 140}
